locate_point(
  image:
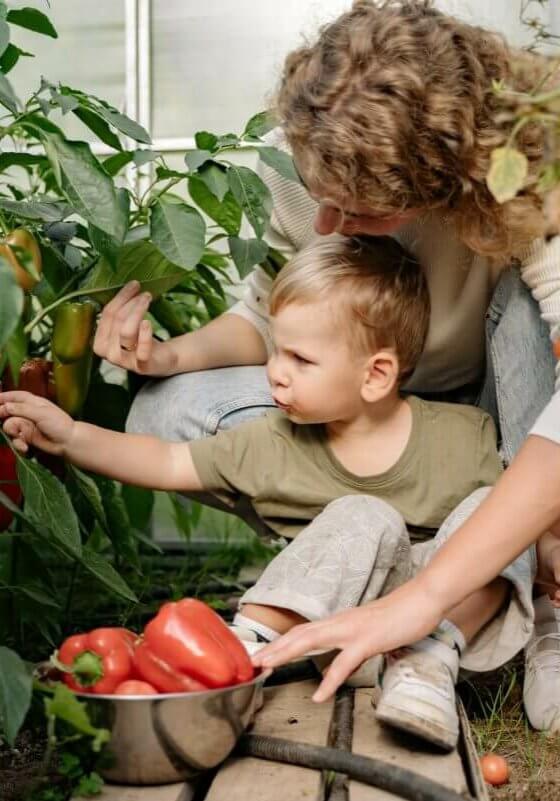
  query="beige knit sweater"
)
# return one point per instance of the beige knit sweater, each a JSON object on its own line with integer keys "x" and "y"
{"x": 460, "y": 284}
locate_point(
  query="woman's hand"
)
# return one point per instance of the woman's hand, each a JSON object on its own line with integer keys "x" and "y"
{"x": 125, "y": 339}
{"x": 406, "y": 615}
{"x": 31, "y": 420}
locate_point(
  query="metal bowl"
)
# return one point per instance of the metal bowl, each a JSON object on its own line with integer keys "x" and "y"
{"x": 160, "y": 739}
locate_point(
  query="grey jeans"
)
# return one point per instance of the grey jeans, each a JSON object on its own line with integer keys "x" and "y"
{"x": 518, "y": 383}
{"x": 358, "y": 549}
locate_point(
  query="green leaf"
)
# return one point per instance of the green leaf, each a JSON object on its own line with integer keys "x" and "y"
{"x": 281, "y": 162}
{"x": 48, "y": 505}
{"x": 228, "y": 140}
{"x": 4, "y": 36}
{"x": 45, "y": 210}
{"x": 65, "y": 102}
{"x": 11, "y": 57}
{"x": 139, "y": 503}
{"x": 141, "y": 261}
{"x": 549, "y": 177}
{"x": 98, "y": 125}
{"x": 87, "y": 186}
{"x": 10, "y": 159}
{"x": 178, "y": 231}
{"x": 33, "y": 20}
{"x": 246, "y": 253}
{"x": 109, "y": 245}
{"x": 125, "y": 125}
{"x": 119, "y": 528}
{"x": 90, "y": 491}
{"x": 36, "y": 594}
{"x": 89, "y": 785}
{"x": 99, "y": 567}
{"x": 196, "y": 158}
{"x": 170, "y": 315}
{"x": 8, "y": 97}
{"x": 107, "y": 406}
{"x": 252, "y": 195}
{"x": 15, "y": 693}
{"x": 145, "y": 156}
{"x": 227, "y": 213}
{"x": 206, "y": 141}
{"x": 64, "y": 705}
{"x": 507, "y": 173}
{"x": 114, "y": 164}
{"x": 259, "y": 125}
{"x": 16, "y": 349}
{"x": 214, "y": 175}
{"x": 11, "y": 302}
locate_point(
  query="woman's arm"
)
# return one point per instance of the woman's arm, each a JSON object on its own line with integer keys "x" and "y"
{"x": 540, "y": 270}
{"x": 124, "y": 338}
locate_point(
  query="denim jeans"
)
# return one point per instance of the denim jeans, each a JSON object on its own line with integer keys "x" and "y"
{"x": 518, "y": 383}
{"x": 519, "y": 377}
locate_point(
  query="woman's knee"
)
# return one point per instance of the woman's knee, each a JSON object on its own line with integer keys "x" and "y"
{"x": 193, "y": 405}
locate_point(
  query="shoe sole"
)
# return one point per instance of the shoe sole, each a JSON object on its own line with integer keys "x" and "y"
{"x": 411, "y": 724}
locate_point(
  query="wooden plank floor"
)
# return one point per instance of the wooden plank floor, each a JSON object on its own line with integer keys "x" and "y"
{"x": 373, "y": 740}
{"x": 290, "y": 713}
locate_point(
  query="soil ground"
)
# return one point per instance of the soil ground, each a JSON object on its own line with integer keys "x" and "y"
{"x": 495, "y": 708}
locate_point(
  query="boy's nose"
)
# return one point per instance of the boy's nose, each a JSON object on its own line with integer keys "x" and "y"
{"x": 277, "y": 377}
{"x": 327, "y": 219}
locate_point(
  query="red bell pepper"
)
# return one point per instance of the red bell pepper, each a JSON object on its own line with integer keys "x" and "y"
{"x": 190, "y": 639}
{"x": 161, "y": 675}
{"x": 98, "y": 661}
{"x": 8, "y": 484}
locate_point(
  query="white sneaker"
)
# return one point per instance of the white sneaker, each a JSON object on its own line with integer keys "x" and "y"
{"x": 418, "y": 692}
{"x": 541, "y": 689}
{"x": 249, "y": 638}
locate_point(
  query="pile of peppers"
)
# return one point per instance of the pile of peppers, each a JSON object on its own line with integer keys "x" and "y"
{"x": 186, "y": 647}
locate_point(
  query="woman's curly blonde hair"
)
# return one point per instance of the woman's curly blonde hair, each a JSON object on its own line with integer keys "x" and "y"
{"x": 395, "y": 103}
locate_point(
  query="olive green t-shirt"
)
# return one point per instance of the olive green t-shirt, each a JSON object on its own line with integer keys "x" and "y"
{"x": 289, "y": 472}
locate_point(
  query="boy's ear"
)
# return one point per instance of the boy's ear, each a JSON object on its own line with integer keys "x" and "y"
{"x": 381, "y": 376}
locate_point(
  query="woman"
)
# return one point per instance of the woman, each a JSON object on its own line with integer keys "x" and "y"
{"x": 391, "y": 119}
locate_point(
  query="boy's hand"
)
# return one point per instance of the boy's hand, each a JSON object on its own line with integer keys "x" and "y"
{"x": 125, "y": 339}
{"x": 30, "y": 420}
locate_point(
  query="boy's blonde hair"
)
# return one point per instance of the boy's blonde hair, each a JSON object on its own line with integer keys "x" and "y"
{"x": 394, "y": 104}
{"x": 377, "y": 291}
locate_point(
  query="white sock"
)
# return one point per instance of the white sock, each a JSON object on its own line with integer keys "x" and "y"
{"x": 263, "y": 632}
{"x": 448, "y": 633}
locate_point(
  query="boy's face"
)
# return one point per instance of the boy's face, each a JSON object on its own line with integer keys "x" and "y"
{"x": 314, "y": 375}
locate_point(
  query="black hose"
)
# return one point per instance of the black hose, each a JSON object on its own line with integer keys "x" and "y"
{"x": 342, "y": 729}
{"x": 374, "y": 772}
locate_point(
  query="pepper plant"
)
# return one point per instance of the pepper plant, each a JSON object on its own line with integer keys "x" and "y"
{"x": 74, "y": 229}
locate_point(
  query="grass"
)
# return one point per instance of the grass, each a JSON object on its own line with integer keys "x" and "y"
{"x": 495, "y": 707}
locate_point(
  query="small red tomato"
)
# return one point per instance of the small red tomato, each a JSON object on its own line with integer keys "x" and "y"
{"x": 495, "y": 769}
{"x": 134, "y": 687}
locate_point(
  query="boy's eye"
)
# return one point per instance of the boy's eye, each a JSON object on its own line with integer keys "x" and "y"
{"x": 301, "y": 359}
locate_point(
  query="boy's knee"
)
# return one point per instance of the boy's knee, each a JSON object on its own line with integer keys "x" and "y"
{"x": 367, "y": 516}
{"x": 462, "y": 512}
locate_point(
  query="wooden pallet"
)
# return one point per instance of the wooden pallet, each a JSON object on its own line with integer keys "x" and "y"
{"x": 290, "y": 713}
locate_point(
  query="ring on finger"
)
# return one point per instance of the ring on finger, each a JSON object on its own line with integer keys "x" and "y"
{"x": 128, "y": 350}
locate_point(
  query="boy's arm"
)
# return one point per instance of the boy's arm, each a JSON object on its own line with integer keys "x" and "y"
{"x": 132, "y": 458}
{"x": 137, "y": 459}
